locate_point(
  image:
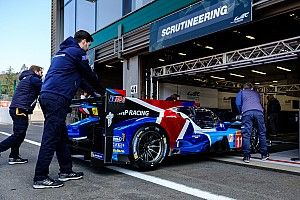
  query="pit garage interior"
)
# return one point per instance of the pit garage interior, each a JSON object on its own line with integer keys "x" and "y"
{"x": 265, "y": 52}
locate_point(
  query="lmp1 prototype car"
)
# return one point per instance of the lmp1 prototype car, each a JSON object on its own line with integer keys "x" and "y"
{"x": 121, "y": 129}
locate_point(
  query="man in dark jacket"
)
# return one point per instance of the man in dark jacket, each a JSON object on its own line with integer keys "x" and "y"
{"x": 22, "y": 104}
{"x": 69, "y": 70}
{"x": 273, "y": 109}
{"x": 248, "y": 104}
{"x": 173, "y": 97}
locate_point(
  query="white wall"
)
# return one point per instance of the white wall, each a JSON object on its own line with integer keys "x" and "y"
{"x": 4, "y": 116}
{"x": 212, "y": 98}
{"x": 37, "y": 115}
{"x": 205, "y": 96}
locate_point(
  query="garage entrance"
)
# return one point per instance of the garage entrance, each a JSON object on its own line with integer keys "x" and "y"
{"x": 265, "y": 53}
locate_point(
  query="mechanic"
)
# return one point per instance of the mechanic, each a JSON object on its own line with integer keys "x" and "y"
{"x": 273, "y": 109}
{"x": 68, "y": 71}
{"x": 248, "y": 104}
{"x": 173, "y": 97}
{"x": 23, "y": 103}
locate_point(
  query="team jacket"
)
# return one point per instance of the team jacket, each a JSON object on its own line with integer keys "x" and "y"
{"x": 248, "y": 99}
{"x": 27, "y": 91}
{"x": 70, "y": 70}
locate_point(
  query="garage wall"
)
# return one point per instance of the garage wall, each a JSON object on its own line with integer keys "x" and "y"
{"x": 286, "y": 102}
{"x": 211, "y": 98}
{"x": 205, "y": 96}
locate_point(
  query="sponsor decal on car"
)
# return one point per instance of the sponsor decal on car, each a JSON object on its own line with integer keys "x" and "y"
{"x": 118, "y": 145}
{"x": 116, "y": 99}
{"x": 97, "y": 155}
{"x": 135, "y": 112}
{"x": 230, "y": 138}
{"x": 109, "y": 118}
{"x": 118, "y": 151}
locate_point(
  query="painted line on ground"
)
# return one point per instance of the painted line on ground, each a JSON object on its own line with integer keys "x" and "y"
{"x": 169, "y": 184}
{"x": 28, "y": 141}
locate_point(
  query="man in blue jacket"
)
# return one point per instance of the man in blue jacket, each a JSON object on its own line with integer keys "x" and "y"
{"x": 23, "y": 103}
{"x": 69, "y": 70}
{"x": 248, "y": 104}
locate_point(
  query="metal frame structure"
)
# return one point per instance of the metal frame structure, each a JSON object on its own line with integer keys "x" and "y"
{"x": 279, "y": 88}
{"x": 267, "y": 53}
{"x": 282, "y": 50}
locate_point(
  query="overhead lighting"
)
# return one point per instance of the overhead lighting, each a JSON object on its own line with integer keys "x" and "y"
{"x": 292, "y": 14}
{"x": 250, "y": 37}
{"x": 182, "y": 54}
{"x": 216, "y": 77}
{"x": 271, "y": 85}
{"x": 258, "y": 72}
{"x": 235, "y": 31}
{"x": 256, "y": 83}
{"x": 199, "y": 45}
{"x": 282, "y": 68}
{"x": 108, "y": 66}
{"x": 121, "y": 61}
{"x": 208, "y": 47}
{"x": 275, "y": 81}
{"x": 238, "y": 75}
{"x": 161, "y": 60}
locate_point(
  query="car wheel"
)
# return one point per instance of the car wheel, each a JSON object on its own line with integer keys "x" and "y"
{"x": 149, "y": 148}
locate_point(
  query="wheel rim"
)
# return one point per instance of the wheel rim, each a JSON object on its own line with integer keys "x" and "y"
{"x": 150, "y": 146}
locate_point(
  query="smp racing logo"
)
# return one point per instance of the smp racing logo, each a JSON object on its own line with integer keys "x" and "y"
{"x": 240, "y": 18}
{"x": 116, "y": 99}
{"x": 135, "y": 113}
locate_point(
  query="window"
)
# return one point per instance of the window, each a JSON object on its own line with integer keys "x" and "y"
{"x": 85, "y": 15}
{"x": 69, "y": 18}
{"x": 108, "y": 11}
{"x": 136, "y": 4}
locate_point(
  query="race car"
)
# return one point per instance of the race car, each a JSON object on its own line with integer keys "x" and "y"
{"x": 122, "y": 129}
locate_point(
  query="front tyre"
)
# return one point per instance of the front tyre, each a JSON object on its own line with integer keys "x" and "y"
{"x": 149, "y": 148}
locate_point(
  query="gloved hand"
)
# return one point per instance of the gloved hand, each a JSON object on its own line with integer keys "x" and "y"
{"x": 96, "y": 95}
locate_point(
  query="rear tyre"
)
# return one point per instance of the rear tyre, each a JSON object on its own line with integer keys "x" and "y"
{"x": 149, "y": 148}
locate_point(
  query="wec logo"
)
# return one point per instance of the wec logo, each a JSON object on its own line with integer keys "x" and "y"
{"x": 116, "y": 99}
{"x": 240, "y": 18}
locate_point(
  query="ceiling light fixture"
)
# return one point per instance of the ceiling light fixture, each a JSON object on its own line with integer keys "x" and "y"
{"x": 250, "y": 37}
{"x": 182, "y": 54}
{"x": 258, "y": 72}
{"x": 256, "y": 83}
{"x": 121, "y": 61}
{"x": 108, "y": 66}
{"x": 292, "y": 14}
{"x": 209, "y": 47}
{"x": 282, "y": 68}
{"x": 238, "y": 75}
{"x": 216, "y": 77}
{"x": 161, "y": 60}
{"x": 275, "y": 81}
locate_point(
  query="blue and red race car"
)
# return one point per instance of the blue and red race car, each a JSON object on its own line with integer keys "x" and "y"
{"x": 143, "y": 133}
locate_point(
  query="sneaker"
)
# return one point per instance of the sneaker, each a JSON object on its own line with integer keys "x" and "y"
{"x": 246, "y": 159}
{"x": 47, "y": 183}
{"x": 17, "y": 160}
{"x": 70, "y": 176}
{"x": 265, "y": 157}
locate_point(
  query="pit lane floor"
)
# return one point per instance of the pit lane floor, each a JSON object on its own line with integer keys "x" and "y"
{"x": 189, "y": 177}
